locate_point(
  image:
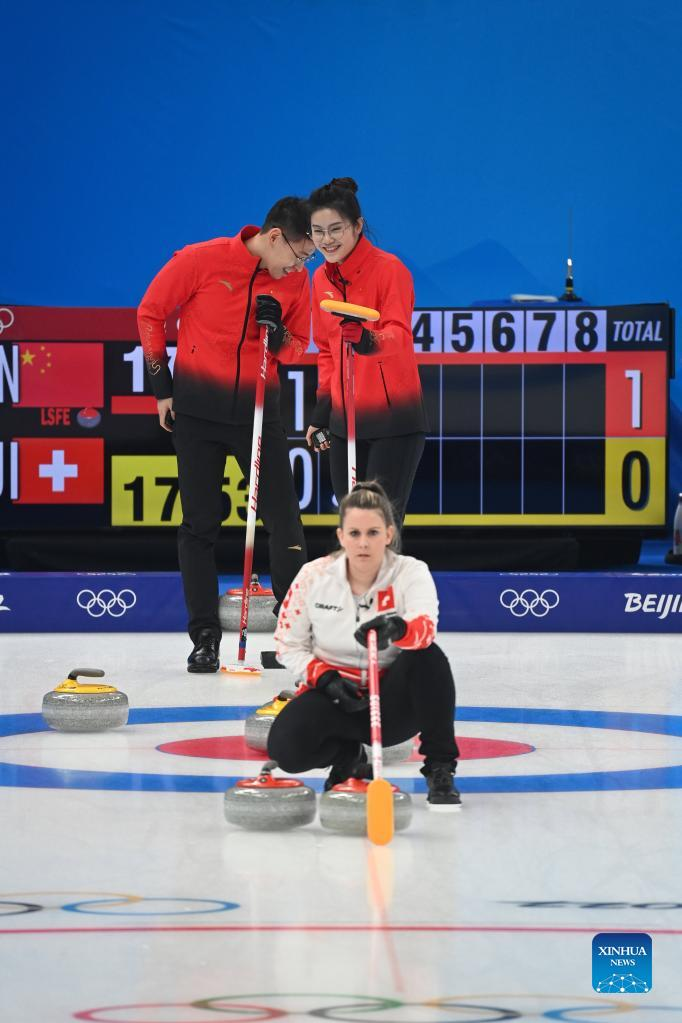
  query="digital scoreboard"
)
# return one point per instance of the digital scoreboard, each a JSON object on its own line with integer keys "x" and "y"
{"x": 538, "y": 416}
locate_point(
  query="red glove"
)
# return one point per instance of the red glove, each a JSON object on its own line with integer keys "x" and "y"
{"x": 352, "y": 332}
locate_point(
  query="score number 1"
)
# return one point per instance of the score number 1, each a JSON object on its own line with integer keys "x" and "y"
{"x": 136, "y": 360}
{"x": 635, "y": 378}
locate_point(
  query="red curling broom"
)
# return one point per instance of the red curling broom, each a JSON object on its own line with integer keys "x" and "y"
{"x": 241, "y": 668}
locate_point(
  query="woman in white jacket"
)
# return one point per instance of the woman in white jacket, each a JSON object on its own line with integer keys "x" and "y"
{"x": 321, "y": 637}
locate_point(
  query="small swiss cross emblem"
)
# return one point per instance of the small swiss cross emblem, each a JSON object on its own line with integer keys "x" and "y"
{"x": 386, "y": 600}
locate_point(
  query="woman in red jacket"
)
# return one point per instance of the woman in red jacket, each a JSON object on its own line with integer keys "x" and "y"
{"x": 390, "y": 416}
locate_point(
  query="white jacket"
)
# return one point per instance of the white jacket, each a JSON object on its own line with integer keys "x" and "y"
{"x": 319, "y": 615}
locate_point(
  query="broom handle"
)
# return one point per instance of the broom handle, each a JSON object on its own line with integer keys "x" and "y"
{"x": 254, "y": 475}
{"x": 374, "y": 704}
{"x": 350, "y": 417}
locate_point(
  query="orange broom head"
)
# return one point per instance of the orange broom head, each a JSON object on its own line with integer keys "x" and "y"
{"x": 349, "y": 311}
{"x": 380, "y": 811}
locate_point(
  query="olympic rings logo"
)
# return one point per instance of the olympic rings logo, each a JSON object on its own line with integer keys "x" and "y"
{"x": 254, "y": 1008}
{"x": 114, "y": 904}
{"x": 529, "y": 601}
{"x": 6, "y": 318}
{"x": 106, "y": 602}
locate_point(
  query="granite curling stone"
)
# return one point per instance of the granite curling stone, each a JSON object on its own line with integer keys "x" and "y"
{"x": 269, "y": 804}
{"x": 85, "y": 707}
{"x": 257, "y": 725}
{"x": 262, "y": 605}
{"x": 344, "y": 808}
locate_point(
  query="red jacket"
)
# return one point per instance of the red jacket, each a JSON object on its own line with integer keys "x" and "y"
{"x": 215, "y": 284}
{"x": 388, "y": 394}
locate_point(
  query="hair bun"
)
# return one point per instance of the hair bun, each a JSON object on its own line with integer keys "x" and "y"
{"x": 348, "y": 183}
{"x": 373, "y": 485}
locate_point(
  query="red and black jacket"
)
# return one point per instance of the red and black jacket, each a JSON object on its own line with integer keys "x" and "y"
{"x": 214, "y": 285}
{"x": 388, "y": 394}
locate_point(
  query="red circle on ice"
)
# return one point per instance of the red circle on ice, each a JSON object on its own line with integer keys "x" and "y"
{"x": 233, "y": 747}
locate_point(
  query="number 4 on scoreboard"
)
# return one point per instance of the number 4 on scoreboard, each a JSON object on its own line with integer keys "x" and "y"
{"x": 427, "y": 331}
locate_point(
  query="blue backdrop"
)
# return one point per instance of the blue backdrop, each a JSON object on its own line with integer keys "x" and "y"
{"x": 132, "y": 127}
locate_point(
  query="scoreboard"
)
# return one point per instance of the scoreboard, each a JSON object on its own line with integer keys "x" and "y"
{"x": 538, "y": 416}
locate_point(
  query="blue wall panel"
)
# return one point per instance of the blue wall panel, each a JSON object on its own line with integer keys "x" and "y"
{"x": 132, "y": 128}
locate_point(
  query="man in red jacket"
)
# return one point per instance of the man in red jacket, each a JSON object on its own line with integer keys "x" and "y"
{"x": 227, "y": 291}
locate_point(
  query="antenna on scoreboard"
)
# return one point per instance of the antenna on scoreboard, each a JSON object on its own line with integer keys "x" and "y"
{"x": 569, "y": 294}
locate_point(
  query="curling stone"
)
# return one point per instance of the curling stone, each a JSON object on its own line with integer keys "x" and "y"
{"x": 257, "y": 726}
{"x": 394, "y": 754}
{"x": 269, "y": 804}
{"x": 344, "y": 808}
{"x": 85, "y": 707}
{"x": 262, "y": 605}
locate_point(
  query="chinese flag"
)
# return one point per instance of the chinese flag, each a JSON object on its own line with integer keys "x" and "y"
{"x": 61, "y": 471}
{"x": 60, "y": 373}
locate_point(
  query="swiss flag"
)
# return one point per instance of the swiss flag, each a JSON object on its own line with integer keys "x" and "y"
{"x": 386, "y": 600}
{"x": 64, "y": 471}
{"x": 65, "y": 373}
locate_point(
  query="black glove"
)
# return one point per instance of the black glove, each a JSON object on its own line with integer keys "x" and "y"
{"x": 388, "y": 628}
{"x": 343, "y": 692}
{"x": 269, "y": 314}
{"x": 358, "y": 336}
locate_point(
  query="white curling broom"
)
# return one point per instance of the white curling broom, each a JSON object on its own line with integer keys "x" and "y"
{"x": 379, "y": 790}
{"x": 241, "y": 668}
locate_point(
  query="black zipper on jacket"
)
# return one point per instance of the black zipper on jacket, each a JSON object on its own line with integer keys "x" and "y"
{"x": 383, "y": 380}
{"x": 235, "y": 391}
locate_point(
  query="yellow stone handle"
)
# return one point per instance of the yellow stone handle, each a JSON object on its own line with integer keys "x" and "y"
{"x": 72, "y": 685}
{"x": 349, "y": 311}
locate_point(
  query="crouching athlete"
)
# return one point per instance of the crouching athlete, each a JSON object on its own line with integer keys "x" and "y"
{"x": 321, "y": 637}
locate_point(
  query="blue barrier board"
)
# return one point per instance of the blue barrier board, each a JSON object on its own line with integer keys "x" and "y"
{"x": 469, "y": 602}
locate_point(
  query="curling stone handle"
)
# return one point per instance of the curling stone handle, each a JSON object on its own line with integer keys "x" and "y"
{"x": 268, "y": 767}
{"x": 86, "y": 672}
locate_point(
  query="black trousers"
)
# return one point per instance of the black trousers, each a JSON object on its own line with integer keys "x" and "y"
{"x": 417, "y": 696}
{"x": 201, "y": 447}
{"x": 391, "y": 460}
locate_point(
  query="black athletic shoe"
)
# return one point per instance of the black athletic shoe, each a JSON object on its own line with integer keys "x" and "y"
{"x": 205, "y": 656}
{"x": 442, "y": 795}
{"x": 354, "y": 766}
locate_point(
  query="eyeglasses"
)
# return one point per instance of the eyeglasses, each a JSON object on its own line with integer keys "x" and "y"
{"x": 335, "y": 232}
{"x": 299, "y": 259}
